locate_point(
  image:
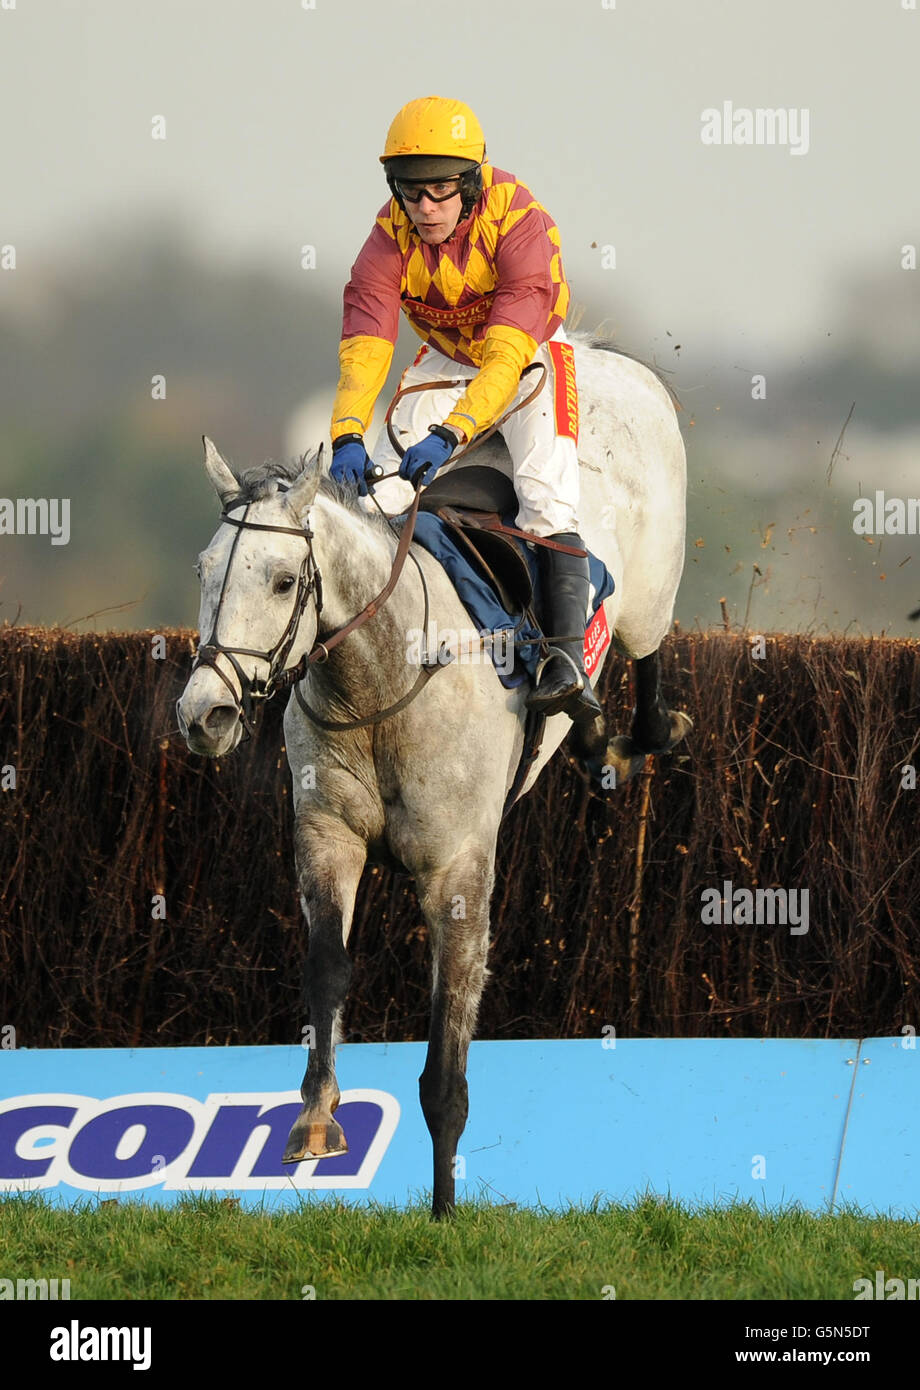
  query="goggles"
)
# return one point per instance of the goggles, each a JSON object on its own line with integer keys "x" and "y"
{"x": 438, "y": 190}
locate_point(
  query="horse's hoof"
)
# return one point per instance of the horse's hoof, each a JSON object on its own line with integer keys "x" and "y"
{"x": 622, "y": 759}
{"x": 625, "y": 758}
{"x": 681, "y": 726}
{"x": 320, "y": 1139}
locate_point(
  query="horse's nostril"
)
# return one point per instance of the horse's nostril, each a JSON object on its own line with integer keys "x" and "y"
{"x": 219, "y": 719}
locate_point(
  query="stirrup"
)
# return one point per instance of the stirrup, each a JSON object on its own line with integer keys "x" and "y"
{"x": 554, "y": 704}
{"x": 558, "y": 651}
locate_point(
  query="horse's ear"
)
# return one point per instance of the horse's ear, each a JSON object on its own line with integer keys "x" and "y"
{"x": 225, "y": 484}
{"x": 302, "y": 491}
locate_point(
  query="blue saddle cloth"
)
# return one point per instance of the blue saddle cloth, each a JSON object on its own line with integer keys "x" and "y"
{"x": 480, "y": 600}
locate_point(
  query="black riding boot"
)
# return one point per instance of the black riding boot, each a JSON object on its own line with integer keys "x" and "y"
{"x": 562, "y": 683}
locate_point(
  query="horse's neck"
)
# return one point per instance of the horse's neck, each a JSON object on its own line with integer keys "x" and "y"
{"x": 355, "y": 558}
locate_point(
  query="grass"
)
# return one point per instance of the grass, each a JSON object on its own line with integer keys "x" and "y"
{"x": 207, "y": 1248}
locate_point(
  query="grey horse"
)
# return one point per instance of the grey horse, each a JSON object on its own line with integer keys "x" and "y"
{"x": 294, "y": 559}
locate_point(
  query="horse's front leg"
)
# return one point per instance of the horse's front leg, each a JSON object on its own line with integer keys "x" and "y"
{"x": 455, "y": 901}
{"x": 329, "y": 866}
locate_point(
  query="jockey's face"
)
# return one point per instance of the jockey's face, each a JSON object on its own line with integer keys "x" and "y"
{"x": 434, "y": 222}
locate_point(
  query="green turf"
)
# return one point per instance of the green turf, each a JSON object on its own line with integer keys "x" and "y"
{"x": 205, "y": 1248}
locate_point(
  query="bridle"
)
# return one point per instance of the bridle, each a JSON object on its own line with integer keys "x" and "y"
{"x": 309, "y": 581}
{"x": 281, "y": 677}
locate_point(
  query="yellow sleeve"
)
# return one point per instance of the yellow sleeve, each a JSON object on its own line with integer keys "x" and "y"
{"x": 506, "y": 352}
{"x": 363, "y": 365}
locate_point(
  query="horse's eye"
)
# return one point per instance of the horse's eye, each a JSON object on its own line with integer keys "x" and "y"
{"x": 285, "y": 584}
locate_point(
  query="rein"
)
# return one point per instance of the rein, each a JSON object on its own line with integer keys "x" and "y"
{"x": 462, "y": 381}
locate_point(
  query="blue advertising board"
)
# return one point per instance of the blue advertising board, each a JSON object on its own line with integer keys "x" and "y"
{"x": 552, "y": 1123}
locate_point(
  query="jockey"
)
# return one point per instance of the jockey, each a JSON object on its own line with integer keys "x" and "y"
{"x": 473, "y": 261}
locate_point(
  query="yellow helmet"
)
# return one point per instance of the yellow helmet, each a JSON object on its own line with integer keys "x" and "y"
{"x": 432, "y": 137}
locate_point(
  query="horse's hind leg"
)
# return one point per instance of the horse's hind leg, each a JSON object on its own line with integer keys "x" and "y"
{"x": 655, "y": 728}
{"x": 328, "y": 873}
{"x": 455, "y": 901}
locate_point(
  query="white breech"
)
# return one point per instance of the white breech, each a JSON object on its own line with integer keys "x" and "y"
{"x": 545, "y": 462}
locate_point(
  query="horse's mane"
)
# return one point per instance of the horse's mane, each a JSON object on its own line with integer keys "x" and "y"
{"x": 262, "y": 481}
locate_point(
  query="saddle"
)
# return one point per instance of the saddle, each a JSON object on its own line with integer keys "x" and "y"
{"x": 471, "y": 502}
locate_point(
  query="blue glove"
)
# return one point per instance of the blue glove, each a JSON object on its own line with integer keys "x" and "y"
{"x": 349, "y": 461}
{"x": 422, "y": 461}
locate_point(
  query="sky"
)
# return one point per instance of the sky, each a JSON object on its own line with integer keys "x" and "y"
{"x": 276, "y": 111}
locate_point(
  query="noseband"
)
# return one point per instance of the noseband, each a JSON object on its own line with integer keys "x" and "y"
{"x": 309, "y": 581}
